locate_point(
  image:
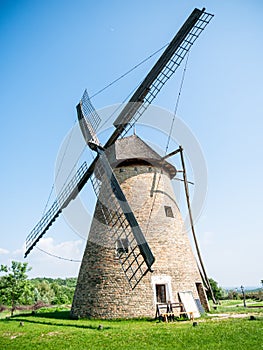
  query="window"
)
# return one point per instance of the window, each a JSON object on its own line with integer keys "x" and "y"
{"x": 168, "y": 212}
{"x": 160, "y": 293}
{"x": 122, "y": 245}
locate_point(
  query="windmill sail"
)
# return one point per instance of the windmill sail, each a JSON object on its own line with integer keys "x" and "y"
{"x": 66, "y": 195}
{"x": 133, "y": 251}
{"x": 89, "y": 119}
{"x": 164, "y": 68}
{"x": 141, "y": 99}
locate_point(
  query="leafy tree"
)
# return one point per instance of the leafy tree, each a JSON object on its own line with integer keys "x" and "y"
{"x": 71, "y": 282}
{"x": 54, "y": 291}
{"x": 61, "y": 292}
{"x": 14, "y": 286}
{"x": 217, "y": 291}
{"x": 45, "y": 292}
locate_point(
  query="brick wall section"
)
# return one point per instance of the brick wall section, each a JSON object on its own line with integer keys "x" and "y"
{"x": 102, "y": 290}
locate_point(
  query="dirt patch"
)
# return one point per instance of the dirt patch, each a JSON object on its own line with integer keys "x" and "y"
{"x": 50, "y": 334}
{"x": 12, "y": 335}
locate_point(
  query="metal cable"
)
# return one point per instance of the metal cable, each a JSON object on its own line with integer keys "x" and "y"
{"x": 129, "y": 71}
{"x": 168, "y": 140}
{"x": 177, "y": 104}
{"x": 56, "y": 256}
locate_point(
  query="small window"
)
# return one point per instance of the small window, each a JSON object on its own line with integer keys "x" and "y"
{"x": 168, "y": 212}
{"x": 122, "y": 245}
{"x": 160, "y": 293}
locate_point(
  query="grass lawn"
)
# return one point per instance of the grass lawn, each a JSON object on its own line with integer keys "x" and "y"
{"x": 237, "y": 306}
{"x": 54, "y": 330}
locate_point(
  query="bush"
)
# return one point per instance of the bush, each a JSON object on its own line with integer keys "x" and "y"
{"x": 233, "y": 295}
{"x": 255, "y": 295}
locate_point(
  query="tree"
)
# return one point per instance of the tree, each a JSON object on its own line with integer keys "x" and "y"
{"x": 218, "y": 291}
{"x": 54, "y": 291}
{"x": 14, "y": 286}
{"x": 46, "y": 293}
{"x": 60, "y": 293}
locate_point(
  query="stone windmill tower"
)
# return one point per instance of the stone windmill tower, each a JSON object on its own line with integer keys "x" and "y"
{"x": 137, "y": 253}
{"x": 101, "y": 291}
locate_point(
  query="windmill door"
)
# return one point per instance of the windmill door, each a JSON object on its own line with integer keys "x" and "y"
{"x": 161, "y": 293}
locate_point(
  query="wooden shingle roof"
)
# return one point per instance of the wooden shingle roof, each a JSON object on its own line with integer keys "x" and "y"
{"x": 133, "y": 150}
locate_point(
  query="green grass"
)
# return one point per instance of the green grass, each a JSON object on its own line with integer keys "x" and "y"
{"x": 54, "y": 330}
{"x": 237, "y": 306}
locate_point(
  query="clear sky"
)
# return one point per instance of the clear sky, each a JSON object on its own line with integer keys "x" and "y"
{"x": 52, "y": 50}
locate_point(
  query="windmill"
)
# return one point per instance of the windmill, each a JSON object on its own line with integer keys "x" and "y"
{"x": 125, "y": 272}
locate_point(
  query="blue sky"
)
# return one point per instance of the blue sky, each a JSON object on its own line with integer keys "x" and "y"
{"x": 52, "y": 50}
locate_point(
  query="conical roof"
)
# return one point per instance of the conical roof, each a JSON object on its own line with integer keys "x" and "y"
{"x": 133, "y": 150}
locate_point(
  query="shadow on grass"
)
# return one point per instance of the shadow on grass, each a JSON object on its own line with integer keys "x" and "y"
{"x": 59, "y": 315}
{"x": 65, "y": 315}
{"x": 55, "y": 315}
{"x": 37, "y": 317}
{"x": 70, "y": 325}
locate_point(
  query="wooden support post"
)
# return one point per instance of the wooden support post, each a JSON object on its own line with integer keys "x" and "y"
{"x": 192, "y": 224}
